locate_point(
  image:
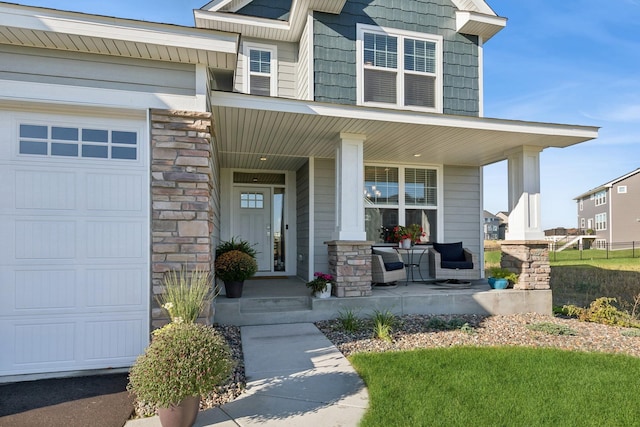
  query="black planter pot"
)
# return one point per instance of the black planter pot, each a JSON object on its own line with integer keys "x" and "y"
{"x": 234, "y": 289}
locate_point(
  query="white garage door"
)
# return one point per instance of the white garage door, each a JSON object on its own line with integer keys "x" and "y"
{"x": 74, "y": 257}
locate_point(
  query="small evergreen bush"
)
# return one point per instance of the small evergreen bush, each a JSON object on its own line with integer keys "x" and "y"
{"x": 235, "y": 266}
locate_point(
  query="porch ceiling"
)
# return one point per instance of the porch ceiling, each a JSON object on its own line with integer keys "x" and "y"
{"x": 286, "y": 132}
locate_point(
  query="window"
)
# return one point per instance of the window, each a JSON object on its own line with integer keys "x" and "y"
{"x": 582, "y": 223}
{"x": 261, "y": 70}
{"x": 252, "y": 201}
{"x": 601, "y": 221}
{"x": 622, "y": 189}
{"x": 68, "y": 141}
{"x": 400, "y": 196}
{"x": 601, "y": 198}
{"x": 399, "y": 69}
{"x": 581, "y": 204}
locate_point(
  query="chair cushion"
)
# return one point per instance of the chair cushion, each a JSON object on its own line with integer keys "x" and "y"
{"x": 392, "y": 266}
{"x": 460, "y": 265}
{"x": 450, "y": 251}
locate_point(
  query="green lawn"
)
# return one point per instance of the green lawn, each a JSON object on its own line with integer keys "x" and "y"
{"x": 505, "y": 386}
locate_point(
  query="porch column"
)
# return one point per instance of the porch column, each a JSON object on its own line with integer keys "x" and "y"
{"x": 524, "y": 194}
{"x": 349, "y": 185}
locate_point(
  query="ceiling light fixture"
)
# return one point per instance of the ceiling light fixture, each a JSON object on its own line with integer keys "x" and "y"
{"x": 417, "y": 155}
{"x": 263, "y": 159}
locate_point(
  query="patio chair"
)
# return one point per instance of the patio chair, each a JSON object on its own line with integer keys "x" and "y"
{"x": 452, "y": 261}
{"x": 387, "y": 267}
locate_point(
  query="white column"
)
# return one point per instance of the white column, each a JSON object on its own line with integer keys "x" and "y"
{"x": 349, "y": 186}
{"x": 524, "y": 194}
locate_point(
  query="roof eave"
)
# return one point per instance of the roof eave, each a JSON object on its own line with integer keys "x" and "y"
{"x": 479, "y": 24}
{"x": 37, "y": 20}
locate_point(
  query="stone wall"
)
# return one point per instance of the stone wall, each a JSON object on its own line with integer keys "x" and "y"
{"x": 350, "y": 264}
{"x": 528, "y": 259}
{"x": 181, "y": 201}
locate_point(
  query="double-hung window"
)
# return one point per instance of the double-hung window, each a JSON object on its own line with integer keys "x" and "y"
{"x": 400, "y": 196}
{"x": 601, "y": 221}
{"x": 261, "y": 68}
{"x": 399, "y": 69}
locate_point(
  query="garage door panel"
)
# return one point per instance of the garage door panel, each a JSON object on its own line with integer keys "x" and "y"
{"x": 109, "y": 340}
{"x": 111, "y": 192}
{"x": 35, "y": 189}
{"x": 38, "y": 343}
{"x": 114, "y": 239}
{"x": 115, "y": 288}
{"x": 45, "y": 289}
{"x": 41, "y": 239}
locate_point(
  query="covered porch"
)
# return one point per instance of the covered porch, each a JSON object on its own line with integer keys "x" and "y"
{"x": 287, "y": 300}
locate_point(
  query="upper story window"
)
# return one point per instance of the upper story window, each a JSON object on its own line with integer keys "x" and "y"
{"x": 601, "y": 221}
{"x": 261, "y": 69}
{"x": 601, "y": 198}
{"x": 622, "y": 189}
{"x": 399, "y": 69}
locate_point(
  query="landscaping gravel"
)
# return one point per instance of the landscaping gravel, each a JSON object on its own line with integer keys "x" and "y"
{"x": 419, "y": 331}
{"x": 413, "y": 332}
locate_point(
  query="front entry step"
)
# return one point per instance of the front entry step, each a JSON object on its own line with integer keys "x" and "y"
{"x": 274, "y": 305}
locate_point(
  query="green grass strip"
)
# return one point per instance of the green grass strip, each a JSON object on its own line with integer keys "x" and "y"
{"x": 504, "y": 386}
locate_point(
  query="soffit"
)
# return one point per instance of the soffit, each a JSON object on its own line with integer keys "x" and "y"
{"x": 72, "y": 31}
{"x": 287, "y": 132}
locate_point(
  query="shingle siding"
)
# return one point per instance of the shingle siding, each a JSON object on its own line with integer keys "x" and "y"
{"x": 270, "y": 9}
{"x": 335, "y": 49}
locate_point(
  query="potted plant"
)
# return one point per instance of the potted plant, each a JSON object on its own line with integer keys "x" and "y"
{"x": 321, "y": 285}
{"x": 183, "y": 362}
{"x": 233, "y": 268}
{"x": 501, "y": 278}
{"x": 407, "y": 236}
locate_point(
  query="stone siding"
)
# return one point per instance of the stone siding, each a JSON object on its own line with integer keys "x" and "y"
{"x": 528, "y": 259}
{"x": 181, "y": 201}
{"x": 350, "y": 264}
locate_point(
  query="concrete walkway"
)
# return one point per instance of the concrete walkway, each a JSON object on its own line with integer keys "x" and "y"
{"x": 295, "y": 377}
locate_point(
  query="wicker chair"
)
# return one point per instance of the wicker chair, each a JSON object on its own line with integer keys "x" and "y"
{"x": 387, "y": 267}
{"x": 452, "y": 261}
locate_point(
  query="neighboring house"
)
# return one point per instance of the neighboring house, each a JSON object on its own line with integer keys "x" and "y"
{"x": 611, "y": 211}
{"x": 491, "y": 226}
{"x": 128, "y": 148}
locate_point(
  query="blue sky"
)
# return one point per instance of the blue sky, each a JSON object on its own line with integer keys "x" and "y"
{"x": 573, "y": 62}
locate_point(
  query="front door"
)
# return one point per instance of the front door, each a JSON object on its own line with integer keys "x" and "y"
{"x": 251, "y": 221}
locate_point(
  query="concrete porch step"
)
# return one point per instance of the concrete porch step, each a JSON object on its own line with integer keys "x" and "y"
{"x": 274, "y": 304}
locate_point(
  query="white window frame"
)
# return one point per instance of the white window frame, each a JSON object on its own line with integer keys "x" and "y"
{"x": 582, "y": 223}
{"x": 402, "y": 207}
{"x": 581, "y": 205}
{"x": 622, "y": 189}
{"x": 273, "y": 75}
{"x": 601, "y": 221}
{"x": 361, "y": 29}
{"x": 601, "y": 198}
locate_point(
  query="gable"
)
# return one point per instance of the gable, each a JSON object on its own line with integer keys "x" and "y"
{"x": 284, "y": 19}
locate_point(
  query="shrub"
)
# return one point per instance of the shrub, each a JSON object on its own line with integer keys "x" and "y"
{"x": 185, "y": 297}
{"x": 602, "y": 311}
{"x": 183, "y": 359}
{"x": 349, "y": 321}
{"x": 631, "y": 333}
{"x": 235, "y": 266}
{"x": 383, "y": 323}
{"x": 503, "y": 273}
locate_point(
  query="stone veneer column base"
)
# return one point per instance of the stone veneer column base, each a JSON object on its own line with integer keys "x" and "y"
{"x": 350, "y": 264}
{"x": 181, "y": 200}
{"x": 529, "y": 259}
